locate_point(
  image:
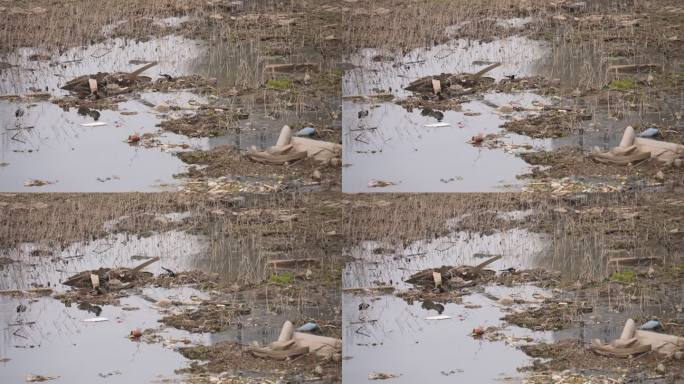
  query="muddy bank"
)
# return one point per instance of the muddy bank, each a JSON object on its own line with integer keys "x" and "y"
{"x": 579, "y": 171}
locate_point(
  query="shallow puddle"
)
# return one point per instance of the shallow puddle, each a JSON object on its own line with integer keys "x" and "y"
{"x": 175, "y": 56}
{"x": 379, "y": 264}
{"x": 50, "y": 339}
{"x": 268, "y": 313}
{"x": 518, "y": 56}
{"x": 395, "y": 337}
{"x": 40, "y": 141}
{"x": 400, "y": 147}
{"x": 36, "y": 264}
{"x": 50, "y": 144}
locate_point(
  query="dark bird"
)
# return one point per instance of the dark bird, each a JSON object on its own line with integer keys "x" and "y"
{"x": 170, "y": 272}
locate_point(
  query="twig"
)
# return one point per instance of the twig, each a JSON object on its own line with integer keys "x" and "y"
{"x": 15, "y": 138}
{"x": 357, "y": 138}
{"x": 145, "y": 264}
{"x": 485, "y": 70}
{"x": 487, "y": 262}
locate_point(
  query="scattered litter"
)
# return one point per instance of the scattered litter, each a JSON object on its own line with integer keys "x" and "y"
{"x": 453, "y": 277}
{"x": 37, "y": 183}
{"x": 135, "y": 333}
{"x": 478, "y": 331}
{"x": 134, "y": 138}
{"x": 308, "y": 327}
{"x": 105, "y": 84}
{"x": 438, "y": 317}
{"x": 307, "y": 131}
{"x": 110, "y": 279}
{"x": 95, "y": 320}
{"x": 476, "y": 140}
{"x": 437, "y": 125}
{"x": 39, "y": 378}
{"x": 452, "y": 85}
{"x": 380, "y": 183}
{"x": 381, "y": 376}
{"x": 650, "y": 132}
{"x": 94, "y": 124}
{"x": 651, "y": 325}
{"x": 437, "y": 277}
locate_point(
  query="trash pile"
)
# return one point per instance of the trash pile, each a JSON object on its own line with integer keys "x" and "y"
{"x": 453, "y": 278}
{"x": 633, "y": 150}
{"x": 550, "y": 122}
{"x": 201, "y": 316}
{"x": 104, "y": 84}
{"x": 289, "y": 149}
{"x": 450, "y": 85}
{"x": 291, "y": 344}
{"x": 105, "y": 280}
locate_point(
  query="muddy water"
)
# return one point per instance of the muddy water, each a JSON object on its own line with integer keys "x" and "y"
{"x": 177, "y": 251}
{"x": 393, "y": 145}
{"x": 51, "y": 144}
{"x": 51, "y": 339}
{"x": 395, "y": 337}
{"x": 264, "y": 323}
{"x": 41, "y": 141}
{"x": 518, "y": 56}
{"x": 378, "y": 264}
{"x": 175, "y": 55}
{"x": 391, "y": 334}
